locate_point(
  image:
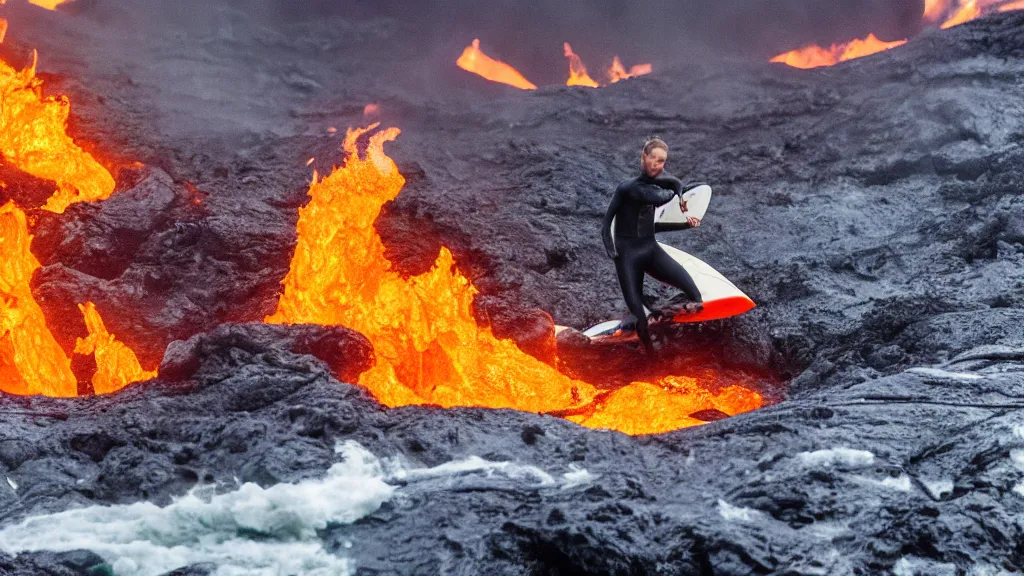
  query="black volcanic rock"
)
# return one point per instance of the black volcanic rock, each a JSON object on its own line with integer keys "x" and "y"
{"x": 855, "y": 478}
{"x": 873, "y": 210}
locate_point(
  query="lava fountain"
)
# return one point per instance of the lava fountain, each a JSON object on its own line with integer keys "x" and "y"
{"x": 428, "y": 346}
{"x": 33, "y": 137}
{"x": 475, "y": 61}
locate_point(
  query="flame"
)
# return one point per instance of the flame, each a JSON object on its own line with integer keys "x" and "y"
{"x": 3, "y": 29}
{"x": 429, "y": 348}
{"x": 116, "y": 364}
{"x": 33, "y": 138}
{"x": 577, "y": 71}
{"x": 814, "y": 56}
{"x": 475, "y": 61}
{"x": 618, "y": 71}
{"x": 31, "y": 361}
{"x": 1018, "y": 5}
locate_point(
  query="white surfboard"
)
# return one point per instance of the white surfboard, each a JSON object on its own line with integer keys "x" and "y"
{"x": 695, "y": 199}
{"x": 721, "y": 297}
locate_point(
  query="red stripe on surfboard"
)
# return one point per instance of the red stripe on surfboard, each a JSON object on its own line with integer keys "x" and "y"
{"x": 718, "y": 309}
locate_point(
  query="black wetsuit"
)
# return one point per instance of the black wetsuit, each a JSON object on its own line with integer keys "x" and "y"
{"x": 634, "y": 248}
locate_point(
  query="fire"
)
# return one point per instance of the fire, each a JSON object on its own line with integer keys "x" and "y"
{"x": 814, "y": 56}
{"x": 34, "y": 139}
{"x": 428, "y": 346}
{"x": 31, "y": 361}
{"x": 116, "y": 364}
{"x": 577, "y": 71}
{"x": 475, "y": 61}
{"x": 3, "y": 29}
{"x": 934, "y": 10}
{"x": 618, "y": 71}
{"x": 1018, "y": 5}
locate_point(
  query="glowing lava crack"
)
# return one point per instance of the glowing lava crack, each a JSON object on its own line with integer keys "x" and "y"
{"x": 429, "y": 348}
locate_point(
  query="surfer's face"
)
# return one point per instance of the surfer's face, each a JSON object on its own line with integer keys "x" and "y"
{"x": 653, "y": 162}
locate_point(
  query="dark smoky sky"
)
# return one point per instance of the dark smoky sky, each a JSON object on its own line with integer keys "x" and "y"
{"x": 529, "y": 33}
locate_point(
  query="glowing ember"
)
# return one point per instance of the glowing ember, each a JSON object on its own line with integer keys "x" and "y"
{"x": 116, "y": 364}
{"x": 428, "y": 346}
{"x": 577, "y": 71}
{"x": 475, "y": 61}
{"x": 31, "y": 361}
{"x": 33, "y": 138}
{"x": 815, "y": 56}
{"x": 666, "y": 406}
{"x": 371, "y": 110}
{"x": 618, "y": 71}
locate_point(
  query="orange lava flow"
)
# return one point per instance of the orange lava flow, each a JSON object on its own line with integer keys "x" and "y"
{"x": 665, "y": 406}
{"x": 1018, "y": 5}
{"x": 475, "y": 61}
{"x": 34, "y": 139}
{"x": 116, "y": 364}
{"x": 965, "y": 13}
{"x": 815, "y": 56}
{"x": 618, "y": 71}
{"x": 428, "y": 347}
{"x": 3, "y": 29}
{"x": 577, "y": 71}
{"x": 31, "y": 361}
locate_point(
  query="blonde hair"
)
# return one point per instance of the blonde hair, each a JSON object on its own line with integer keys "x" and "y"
{"x": 654, "y": 142}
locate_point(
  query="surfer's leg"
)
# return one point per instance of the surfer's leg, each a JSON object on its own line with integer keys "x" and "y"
{"x": 629, "y": 268}
{"x": 665, "y": 269}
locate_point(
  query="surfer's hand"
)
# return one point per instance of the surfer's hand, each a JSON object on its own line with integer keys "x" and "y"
{"x": 694, "y": 222}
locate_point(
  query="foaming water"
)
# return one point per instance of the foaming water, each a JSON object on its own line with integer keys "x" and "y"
{"x": 258, "y": 531}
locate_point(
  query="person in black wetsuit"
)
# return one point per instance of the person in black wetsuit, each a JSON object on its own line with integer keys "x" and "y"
{"x": 633, "y": 247}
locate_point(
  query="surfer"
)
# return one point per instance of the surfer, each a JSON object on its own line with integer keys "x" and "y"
{"x": 634, "y": 249}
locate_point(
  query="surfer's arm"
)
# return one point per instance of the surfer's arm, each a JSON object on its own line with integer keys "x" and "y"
{"x": 651, "y": 194}
{"x": 606, "y": 224}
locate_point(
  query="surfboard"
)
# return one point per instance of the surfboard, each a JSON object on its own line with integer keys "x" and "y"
{"x": 722, "y": 299}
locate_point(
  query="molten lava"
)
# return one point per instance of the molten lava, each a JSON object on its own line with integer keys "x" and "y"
{"x": 577, "y": 71}
{"x": 31, "y": 361}
{"x": 475, "y": 61}
{"x": 967, "y": 11}
{"x": 428, "y": 346}
{"x": 814, "y": 56}
{"x": 116, "y": 364}
{"x": 3, "y": 29}
{"x": 34, "y": 139}
{"x": 618, "y": 71}
{"x": 48, "y": 4}
{"x": 665, "y": 406}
